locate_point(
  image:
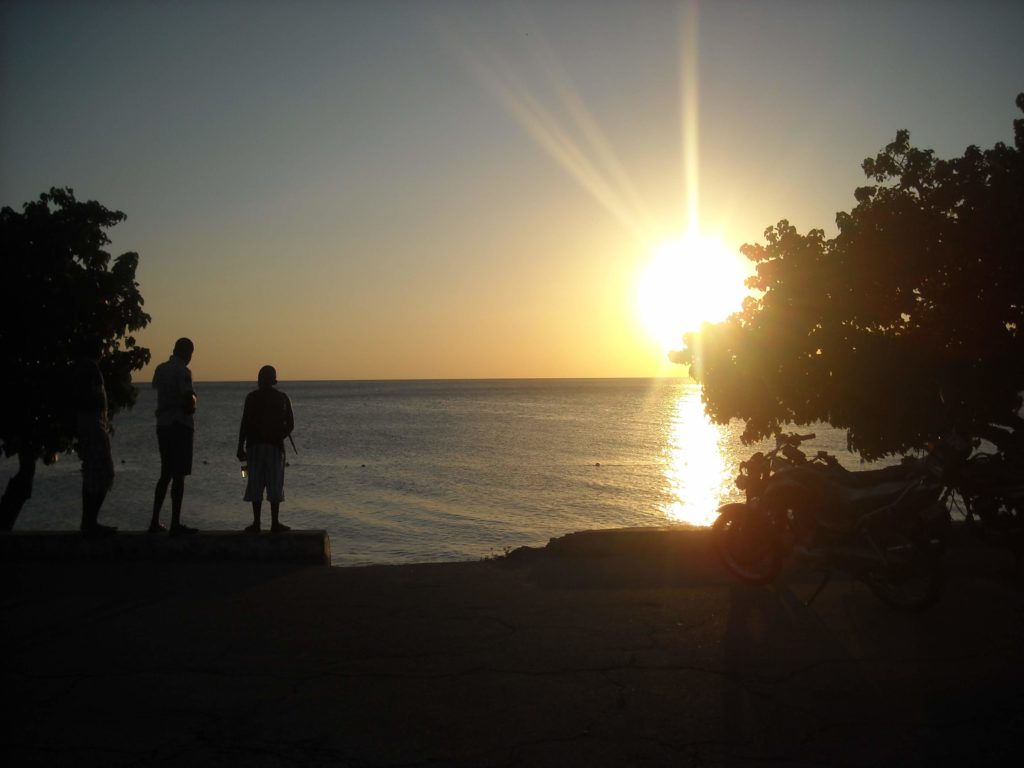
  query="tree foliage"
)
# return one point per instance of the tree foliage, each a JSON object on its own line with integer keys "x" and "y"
{"x": 58, "y": 287}
{"x": 909, "y": 319}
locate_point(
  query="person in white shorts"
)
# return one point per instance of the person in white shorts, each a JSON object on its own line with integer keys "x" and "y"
{"x": 266, "y": 421}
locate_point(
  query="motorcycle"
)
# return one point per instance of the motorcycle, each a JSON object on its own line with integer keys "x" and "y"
{"x": 883, "y": 527}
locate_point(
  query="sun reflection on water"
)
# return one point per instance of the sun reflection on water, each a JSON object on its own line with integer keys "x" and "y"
{"x": 696, "y": 469}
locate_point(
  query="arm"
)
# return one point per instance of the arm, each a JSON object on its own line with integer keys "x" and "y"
{"x": 289, "y": 417}
{"x": 243, "y": 431}
{"x": 188, "y": 394}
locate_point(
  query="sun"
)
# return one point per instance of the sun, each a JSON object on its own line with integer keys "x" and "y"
{"x": 689, "y": 280}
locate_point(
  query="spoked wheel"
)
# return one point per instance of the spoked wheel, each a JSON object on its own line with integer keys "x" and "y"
{"x": 908, "y": 573}
{"x": 746, "y": 544}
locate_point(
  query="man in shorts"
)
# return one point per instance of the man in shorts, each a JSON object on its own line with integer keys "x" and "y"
{"x": 175, "y": 426}
{"x": 93, "y": 432}
{"x": 266, "y": 421}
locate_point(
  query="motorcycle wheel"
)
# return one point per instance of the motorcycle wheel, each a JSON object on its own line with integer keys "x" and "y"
{"x": 999, "y": 519}
{"x": 908, "y": 575}
{"x": 934, "y": 528}
{"x": 746, "y": 544}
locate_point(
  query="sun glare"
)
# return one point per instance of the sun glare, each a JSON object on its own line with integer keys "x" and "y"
{"x": 689, "y": 281}
{"x": 698, "y": 476}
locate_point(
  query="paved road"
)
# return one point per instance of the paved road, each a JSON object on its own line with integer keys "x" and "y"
{"x": 627, "y": 648}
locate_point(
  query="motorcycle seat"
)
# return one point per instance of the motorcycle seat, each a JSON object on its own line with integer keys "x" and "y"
{"x": 873, "y": 477}
{"x": 876, "y": 495}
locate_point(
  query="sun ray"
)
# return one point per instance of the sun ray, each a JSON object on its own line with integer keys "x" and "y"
{"x": 692, "y": 278}
{"x": 598, "y": 171}
{"x": 591, "y": 131}
{"x": 689, "y": 119}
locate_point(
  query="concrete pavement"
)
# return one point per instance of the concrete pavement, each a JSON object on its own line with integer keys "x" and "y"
{"x": 615, "y": 648}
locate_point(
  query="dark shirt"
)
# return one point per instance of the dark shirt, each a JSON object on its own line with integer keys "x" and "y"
{"x": 266, "y": 418}
{"x": 89, "y": 393}
{"x": 172, "y": 381}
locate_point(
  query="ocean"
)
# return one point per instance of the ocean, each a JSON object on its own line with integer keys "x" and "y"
{"x": 432, "y": 471}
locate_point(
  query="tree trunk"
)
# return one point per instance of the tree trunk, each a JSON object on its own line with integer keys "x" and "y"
{"x": 19, "y": 489}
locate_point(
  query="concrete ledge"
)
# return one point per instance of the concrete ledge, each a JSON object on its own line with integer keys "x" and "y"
{"x": 309, "y": 547}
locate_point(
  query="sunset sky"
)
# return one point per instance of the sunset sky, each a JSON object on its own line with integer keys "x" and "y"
{"x": 447, "y": 189}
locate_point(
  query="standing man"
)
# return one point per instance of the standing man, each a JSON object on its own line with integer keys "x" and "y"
{"x": 93, "y": 431}
{"x": 175, "y": 426}
{"x": 266, "y": 421}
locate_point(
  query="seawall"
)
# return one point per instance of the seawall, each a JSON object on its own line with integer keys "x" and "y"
{"x": 301, "y": 547}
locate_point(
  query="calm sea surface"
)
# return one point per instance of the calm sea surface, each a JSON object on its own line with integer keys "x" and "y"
{"x": 401, "y": 472}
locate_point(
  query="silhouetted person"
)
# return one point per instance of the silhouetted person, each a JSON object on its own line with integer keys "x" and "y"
{"x": 266, "y": 421}
{"x": 175, "y": 426}
{"x": 89, "y": 395}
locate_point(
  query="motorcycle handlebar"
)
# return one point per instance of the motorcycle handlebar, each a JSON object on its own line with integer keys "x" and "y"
{"x": 793, "y": 439}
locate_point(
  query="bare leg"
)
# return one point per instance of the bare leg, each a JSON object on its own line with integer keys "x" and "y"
{"x": 257, "y": 506}
{"x": 158, "y": 502}
{"x": 91, "y": 503}
{"x": 19, "y": 489}
{"x": 275, "y": 523}
{"x": 177, "y": 495}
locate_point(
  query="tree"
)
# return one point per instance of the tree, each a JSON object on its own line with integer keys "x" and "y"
{"x": 58, "y": 289}
{"x": 907, "y": 322}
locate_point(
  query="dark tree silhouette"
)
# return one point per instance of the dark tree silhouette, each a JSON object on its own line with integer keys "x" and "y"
{"x": 906, "y": 323}
{"x": 58, "y": 288}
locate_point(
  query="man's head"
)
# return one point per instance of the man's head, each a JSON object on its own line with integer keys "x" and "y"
{"x": 184, "y": 348}
{"x": 267, "y": 376}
